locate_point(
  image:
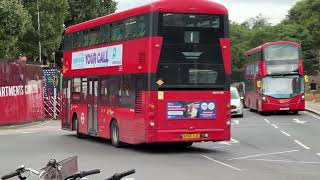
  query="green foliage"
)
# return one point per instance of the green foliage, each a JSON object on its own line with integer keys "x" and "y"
{"x": 83, "y": 10}
{"x": 307, "y": 14}
{"x": 52, "y": 16}
{"x": 14, "y": 20}
{"x": 19, "y": 24}
{"x": 240, "y": 34}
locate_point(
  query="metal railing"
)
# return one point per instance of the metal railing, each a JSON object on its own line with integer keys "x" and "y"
{"x": 52, "y": 105}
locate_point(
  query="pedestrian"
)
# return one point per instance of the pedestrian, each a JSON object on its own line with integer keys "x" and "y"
{"x": 313, "y": 89}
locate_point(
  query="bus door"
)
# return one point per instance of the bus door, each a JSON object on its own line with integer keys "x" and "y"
{"x": 93, "y": 106}
{"x": 66, "y": 98}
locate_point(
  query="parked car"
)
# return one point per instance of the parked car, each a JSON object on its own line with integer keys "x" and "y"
{"x": 241, "y": 89}
{"x": 236, "y": 103}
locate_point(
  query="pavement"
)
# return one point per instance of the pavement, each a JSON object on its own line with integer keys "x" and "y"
{"x": 313, "y": 107}
{"x": 279, "y": 146}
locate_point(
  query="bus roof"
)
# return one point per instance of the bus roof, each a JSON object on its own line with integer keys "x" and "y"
{"x": 262, "y": 47}
{"x": 172, "y": 6}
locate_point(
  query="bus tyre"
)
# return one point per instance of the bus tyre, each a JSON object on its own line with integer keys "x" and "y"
{"x": 114, "y": 134}
{"x": 185, "y": 144}
{"x": 76, "y": 123}
{"x": 295, "y": 112}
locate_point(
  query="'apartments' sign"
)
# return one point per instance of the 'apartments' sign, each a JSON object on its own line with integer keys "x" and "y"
{"x": 11, "y": 91}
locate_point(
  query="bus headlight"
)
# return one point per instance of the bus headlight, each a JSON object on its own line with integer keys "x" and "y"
{"x": 264, "y": 99}
{"x": 302, "y": 98}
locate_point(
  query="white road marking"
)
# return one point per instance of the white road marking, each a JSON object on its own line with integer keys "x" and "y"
{"x": 234, "y": 141}
{"x": 220, "y": 147}
{"x": 284, "y": 161}
{"x": 302, "y": 145}
{"x": 266, "y": 154}
{"x": 235, "y": 122}
{"x": 26, "y": 132}
{"x": 222, "y": 163}
{"x": 298, "y": 121}
{"x": 318, "y": 154}
{"x": 275, "y": 126}
{"x": 283, "y": 132}
{"x": 267, "y": 121}
{"x": 311, "y": 114}
{"x": 229, "y": 143}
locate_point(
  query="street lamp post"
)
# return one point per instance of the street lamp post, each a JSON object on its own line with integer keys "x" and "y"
{"x": 39, "y": 33}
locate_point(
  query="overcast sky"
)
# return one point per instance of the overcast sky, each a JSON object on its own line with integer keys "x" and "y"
{"x": 240, "y": 10}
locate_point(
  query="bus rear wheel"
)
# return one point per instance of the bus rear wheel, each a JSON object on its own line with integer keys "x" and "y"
{"x": 114, "y": 134}
{"x": 185, "y": 144}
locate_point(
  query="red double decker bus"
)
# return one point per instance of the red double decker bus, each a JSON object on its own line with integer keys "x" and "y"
{"x": 274, "y": 78}
{"x": 156, "y": 73}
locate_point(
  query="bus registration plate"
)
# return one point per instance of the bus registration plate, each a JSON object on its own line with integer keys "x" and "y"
{"x": 190, "y": 136}
{"x": 284, "y": 109}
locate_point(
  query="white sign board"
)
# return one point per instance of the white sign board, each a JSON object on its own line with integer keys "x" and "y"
{"x": 96, "y": 58}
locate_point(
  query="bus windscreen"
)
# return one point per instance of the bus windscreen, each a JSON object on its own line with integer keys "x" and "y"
{"x": 282, "y": 86}
{"x": 281, "y": 52}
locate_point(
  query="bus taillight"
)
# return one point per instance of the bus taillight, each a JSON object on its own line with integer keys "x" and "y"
{"x": 152, "y": 107}
{"x": 228, "y": 106}
{"x": 151, "y": 115}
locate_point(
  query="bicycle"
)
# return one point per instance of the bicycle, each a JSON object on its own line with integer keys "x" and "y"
{"x": 61, "y": 171}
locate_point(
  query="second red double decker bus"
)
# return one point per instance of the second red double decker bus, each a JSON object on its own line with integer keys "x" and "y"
{"x": 274, "y": 77}
{"x": 156, "y": 73}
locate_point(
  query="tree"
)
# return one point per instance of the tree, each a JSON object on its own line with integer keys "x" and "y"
{"x": 257, "y": 22}
{"x": 307, "y": 14}
{"x": 14, "y": 20}
{"x": 52, "y": 16}
{"x": 84, "y": 10}
{"x": 240, "y": 34}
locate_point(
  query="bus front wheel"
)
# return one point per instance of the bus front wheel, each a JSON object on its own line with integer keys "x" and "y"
{"x": 114, "y": 134}
{"x": 76, "y": 125}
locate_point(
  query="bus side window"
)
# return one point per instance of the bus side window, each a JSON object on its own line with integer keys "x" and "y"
{"x": 78, "y": 40}
{"x": 114, "y": 99}
{"x": 130, "y": 28}
{"x": 84, "y": 92}
{"x": 76, "y": 89}
{"x": 141, "y": 27}
{"x": 85, "y": 38}
{"x": 105, "y": 38}
{"x": 94, "y": 36}
{"x": 76, "y": 85}
{"x": 127, "y": 91}
{"x": 67, "y": 41}
{"x": 104, "y": 91}
{"x": 117, "y": 31}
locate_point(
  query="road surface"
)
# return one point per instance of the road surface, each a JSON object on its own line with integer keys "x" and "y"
{"x": 262, "y": 147}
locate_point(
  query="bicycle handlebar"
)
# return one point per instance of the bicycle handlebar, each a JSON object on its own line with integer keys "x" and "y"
{"x": 119, "y": 176}
{"x": 10, "y": 175}
{"x": 82, "y": 174}
{"x": 88, "y": 173}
